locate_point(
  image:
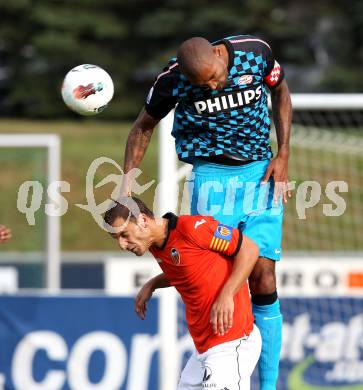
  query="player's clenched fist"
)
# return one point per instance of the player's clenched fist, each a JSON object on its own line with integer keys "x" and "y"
{"x": 221, "y": 316}
{"x": 5, "y": 234}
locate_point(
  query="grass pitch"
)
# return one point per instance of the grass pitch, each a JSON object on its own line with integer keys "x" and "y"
{"x": 85, "y": 140}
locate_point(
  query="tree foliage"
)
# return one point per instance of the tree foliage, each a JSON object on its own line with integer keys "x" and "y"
{"x": 319, "y": 43}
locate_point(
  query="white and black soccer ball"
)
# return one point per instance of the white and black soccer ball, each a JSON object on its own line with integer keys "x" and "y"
{"x": 87, "y": 89}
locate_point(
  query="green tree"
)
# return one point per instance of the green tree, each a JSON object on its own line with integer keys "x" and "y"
{"x": 319, "y": 43}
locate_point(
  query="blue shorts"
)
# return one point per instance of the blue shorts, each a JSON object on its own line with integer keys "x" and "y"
{"x": 235, "y": 196}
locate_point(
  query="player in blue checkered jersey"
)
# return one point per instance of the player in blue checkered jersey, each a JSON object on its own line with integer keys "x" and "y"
{"x": 222, "y": 127}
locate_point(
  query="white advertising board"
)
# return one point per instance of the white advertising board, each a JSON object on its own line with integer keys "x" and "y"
{"x": 320, "y": 276}
{"x": 296, "y": 276}
{"x": 126, "y": 275}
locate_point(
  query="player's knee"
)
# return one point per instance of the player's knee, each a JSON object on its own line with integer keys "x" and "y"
{"x": 264, "y": 299}
{"x": 262, "y": 281}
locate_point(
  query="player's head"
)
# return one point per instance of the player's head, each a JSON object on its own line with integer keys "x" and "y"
{"x": 202, "y": 63}
{"x": 132, "y": 219}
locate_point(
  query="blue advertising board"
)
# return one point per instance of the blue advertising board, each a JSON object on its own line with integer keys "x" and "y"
{"x": 77, "y": 343}
{"x": 98, "y": 343}
{"x": 322, "y": 344}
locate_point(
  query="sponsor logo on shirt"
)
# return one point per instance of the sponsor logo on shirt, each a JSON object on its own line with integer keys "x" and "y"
{"x": 175, "y": 256}
{"x": 229, "y": 101}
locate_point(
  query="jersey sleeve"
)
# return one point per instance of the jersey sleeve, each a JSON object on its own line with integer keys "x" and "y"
{"x": 212, "y": 235}
{"x": 160, "y": 99}
{"x": 274, "y": 73}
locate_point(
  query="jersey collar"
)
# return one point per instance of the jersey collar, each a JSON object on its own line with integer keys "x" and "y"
{"x": 172, "y": 221}
{"x": 230, "y": 50}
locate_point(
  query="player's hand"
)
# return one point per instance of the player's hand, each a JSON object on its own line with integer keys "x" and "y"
{"x": 221, "y": 316}
{"x": 142, "y": 298}
{"x": 5, "y": 234}
{"x": 278, "y": 169}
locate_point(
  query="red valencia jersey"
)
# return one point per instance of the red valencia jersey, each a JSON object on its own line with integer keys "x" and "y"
{"x": 197, "y": 259}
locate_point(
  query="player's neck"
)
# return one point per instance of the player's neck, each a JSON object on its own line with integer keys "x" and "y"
{"x": 224, "y": 52}
{"x": 160, "y": 232}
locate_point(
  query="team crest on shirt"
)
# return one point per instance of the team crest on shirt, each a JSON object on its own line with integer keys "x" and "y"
{"x": 175, "y": 256}
{"x": 221, "y": 238}
{"x": 224, "y": 231}
{"x": 245, "y": 79}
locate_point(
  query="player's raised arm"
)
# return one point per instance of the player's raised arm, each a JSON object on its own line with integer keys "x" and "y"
{"x": 146, "y": 292}
{"x": 223, "y": 307}
{"x": 137, "y": 142}
{"x": 159, "y": 102}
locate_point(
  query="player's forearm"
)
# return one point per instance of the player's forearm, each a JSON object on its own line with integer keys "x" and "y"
{"x": 243, "y": 265}
{"x": 159, "y": 281}
{"x": 136, "y": 146}
{"x": 138, "y": 140}
{"x": 282, "y": 115}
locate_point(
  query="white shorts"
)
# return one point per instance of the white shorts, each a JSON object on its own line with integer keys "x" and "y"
{"x": 227, "y": 366}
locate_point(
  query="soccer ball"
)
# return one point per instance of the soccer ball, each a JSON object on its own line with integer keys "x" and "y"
{"x": 87, "y": 89}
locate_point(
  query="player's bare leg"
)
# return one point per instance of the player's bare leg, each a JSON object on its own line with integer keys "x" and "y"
{"x": 268, "y": 318}
{"x": 262, "y": 280}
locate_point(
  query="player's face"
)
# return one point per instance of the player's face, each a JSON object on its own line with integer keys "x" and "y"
{"x": 134, "y": 236}
{"x": 213, "y": 75}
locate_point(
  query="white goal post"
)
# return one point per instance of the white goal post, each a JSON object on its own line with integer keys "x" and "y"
{"x": 53, "y": 145}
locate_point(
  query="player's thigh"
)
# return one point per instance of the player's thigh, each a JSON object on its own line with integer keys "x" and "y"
{"x": 265, "y": 229}
{"x": 249, "y": 354}
{"x": 214, "y": 195}
{"x": 230, "y": 365}
{"x": 192, "y": 375}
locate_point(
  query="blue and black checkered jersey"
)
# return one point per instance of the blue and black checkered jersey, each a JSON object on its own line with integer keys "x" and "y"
{"x": 234, "y": 120}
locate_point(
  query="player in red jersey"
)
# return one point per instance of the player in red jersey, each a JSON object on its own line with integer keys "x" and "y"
{"x": 208, "y": 263}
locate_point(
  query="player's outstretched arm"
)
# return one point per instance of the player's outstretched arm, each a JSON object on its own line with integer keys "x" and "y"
{"x": 5, "y": 234}
{"x": 282, "y": 114}
{"x": 146, "y": 293}
{"x": 137, "y": 142}
{"x": 223, "y": 307}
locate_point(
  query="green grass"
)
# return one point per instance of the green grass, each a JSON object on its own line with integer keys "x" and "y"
{"x": 83, "y": 141}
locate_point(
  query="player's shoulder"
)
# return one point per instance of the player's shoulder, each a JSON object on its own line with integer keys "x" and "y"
{"x": 170, "y": 71}
{"x": 191, "y": 226}
{"x": 249, "y": 43}
{"x": 206, "y": 232}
